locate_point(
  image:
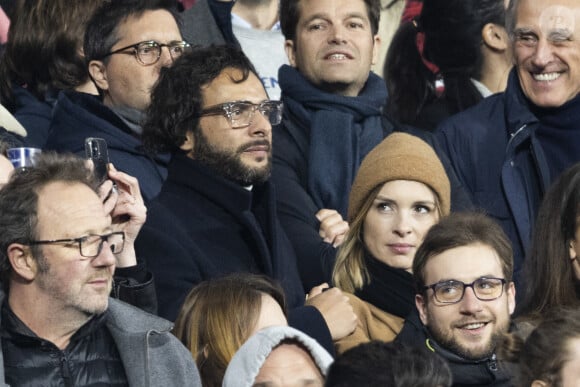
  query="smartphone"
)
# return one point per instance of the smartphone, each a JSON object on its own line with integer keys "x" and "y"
{"x": 96, "y": 150}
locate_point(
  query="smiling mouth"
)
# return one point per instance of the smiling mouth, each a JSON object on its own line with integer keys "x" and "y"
{"x": 473, "y": 326}
{"x": 337, "y": 57}
{"x": 546, "y": 77}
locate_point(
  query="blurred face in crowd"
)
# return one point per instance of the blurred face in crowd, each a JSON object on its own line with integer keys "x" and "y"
{"x": 6, "y": 169}
{"x": 126, "y": 82}
{"x": 397, "y": 222}
{"x": 289, "y": 365}
{"x": 243, "y": 154}
{"x": 547, "y": 50}
{"x": 570, "y": 373}
{"x": 471, "y": 327}
{"x": 575, "y": 250}
{"x": 271, "y": 314}
{"x": 334, "y": 46}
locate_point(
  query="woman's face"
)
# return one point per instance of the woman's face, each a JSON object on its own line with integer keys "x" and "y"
{"x": 570, "y": 372}
{"x": 397, "y": 222}
{"x": 575, "y": 251}
{"x": 271, "y": 314}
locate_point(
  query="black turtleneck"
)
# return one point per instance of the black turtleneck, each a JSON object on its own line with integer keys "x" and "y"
{"x": 559, "y": 135}
{"x": 389, "y": 289}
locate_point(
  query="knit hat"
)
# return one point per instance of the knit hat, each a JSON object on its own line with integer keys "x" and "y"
{"x": 247, "y": 361}
{"x": 400, "y": 156}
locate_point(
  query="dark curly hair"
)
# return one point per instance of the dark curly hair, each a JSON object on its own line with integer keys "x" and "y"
{"x": 177, "y": 100}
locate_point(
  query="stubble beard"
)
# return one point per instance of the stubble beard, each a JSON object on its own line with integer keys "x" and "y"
{"x": 447, "y": 340}
{"x": 229, "y": 164}
{"x": 49, "y": 283}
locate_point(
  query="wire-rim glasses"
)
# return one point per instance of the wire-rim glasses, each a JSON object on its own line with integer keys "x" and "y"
{"x": 91, "y": 245}
{"x": 240, "y": 113}
{"x": 452, "y": 291}
{"x": 149, "y": 52}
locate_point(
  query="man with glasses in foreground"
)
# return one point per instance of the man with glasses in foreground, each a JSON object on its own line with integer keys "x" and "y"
{"x": 216, "y": 213}
{"x": 465, "y": 296}
{"x": 126, "y": 44}
{"x": 59, "y": 246}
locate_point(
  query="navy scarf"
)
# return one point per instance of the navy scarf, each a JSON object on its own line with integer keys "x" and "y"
{"x": 342, "y": 130}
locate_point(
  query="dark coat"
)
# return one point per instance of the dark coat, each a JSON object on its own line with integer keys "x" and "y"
{"x": 498, "y": 159}
{"x": 297, "y": 208}
{"x": 151, "y": 355}
{"x": 485, "y": 372}
{"x": 209, "y": 22}
{"x": 202, "y": 226}
{"x": 33, "y": 114}
{"x": 79, "y": 115}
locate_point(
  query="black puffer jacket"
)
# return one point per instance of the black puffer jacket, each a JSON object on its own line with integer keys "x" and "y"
{"x": 91, "y": 358}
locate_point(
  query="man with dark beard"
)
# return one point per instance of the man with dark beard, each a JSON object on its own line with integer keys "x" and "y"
{"x": 465, "y": 296}
{"x": 216, "y": 213}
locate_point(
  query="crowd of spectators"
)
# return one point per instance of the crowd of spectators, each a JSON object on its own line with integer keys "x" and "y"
{"x": 279, "y": 208}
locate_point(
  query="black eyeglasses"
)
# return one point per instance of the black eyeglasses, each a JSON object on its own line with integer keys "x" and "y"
{"x": 91, "y": 245}
{"x": 451, "y": 292}
{"x": 149, "y": 52}
{"x": 240, "y": 113}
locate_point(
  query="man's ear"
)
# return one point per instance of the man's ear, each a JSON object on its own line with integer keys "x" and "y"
{"x": 572, "y": 247}
{"x": 511, "y": 295}
{"x": 189, "y": 142}
{"x": 539, "y": 383}
{"x": 421, "y": 305}
{"x": 290, "y": 52}
{"x": 22, "y": 261}
{"x": 98, "y": 72}
{"x": 376, "y": 49}
{"x": 495, "y": 37}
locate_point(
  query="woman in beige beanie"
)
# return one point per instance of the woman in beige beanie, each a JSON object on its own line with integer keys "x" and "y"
{"x": 400, "y": 191}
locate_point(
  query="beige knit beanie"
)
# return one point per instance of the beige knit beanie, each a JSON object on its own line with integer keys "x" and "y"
{"x": 400, "y": 156}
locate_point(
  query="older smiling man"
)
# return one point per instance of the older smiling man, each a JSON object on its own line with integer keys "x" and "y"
{"x": 508, "y": 149}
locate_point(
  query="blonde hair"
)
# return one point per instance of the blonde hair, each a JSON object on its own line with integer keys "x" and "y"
{"x": 350, "y": 272}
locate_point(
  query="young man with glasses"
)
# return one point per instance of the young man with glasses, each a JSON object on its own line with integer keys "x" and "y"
{"x": 126, "y": 44}
{"x": 465, "y": 296}
{"x": 216, "y": 213}
{"x": 60, "y": 243}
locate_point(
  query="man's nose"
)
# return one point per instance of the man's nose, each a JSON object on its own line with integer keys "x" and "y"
{"x": 544, "y": 54}
{"x": 106, "y": 257}
{"x": 165, "y": 58}
{"x": 470, "y": 304}
{"x": 337, "y": 34}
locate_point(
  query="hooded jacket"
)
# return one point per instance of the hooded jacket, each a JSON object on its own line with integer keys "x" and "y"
{"x": 246, "y": 363}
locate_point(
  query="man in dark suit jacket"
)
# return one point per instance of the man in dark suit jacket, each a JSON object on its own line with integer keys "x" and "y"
{"x": 216, "y": 213}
